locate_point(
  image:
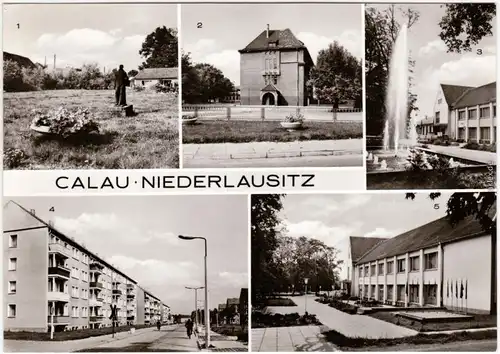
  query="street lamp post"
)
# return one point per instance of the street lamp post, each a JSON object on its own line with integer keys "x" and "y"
{"x": 305, "y": 302}
{"x": 207, "y": 314}
{"x": 195, "y": 302}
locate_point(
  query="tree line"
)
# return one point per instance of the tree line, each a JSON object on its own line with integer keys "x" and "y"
{"x": 281, "y": 263}
{"x": 158, "y": 50}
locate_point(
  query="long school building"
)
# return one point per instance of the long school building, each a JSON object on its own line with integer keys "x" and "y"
{"x": 52, "y": 279}
{"x": 434, "y": 265}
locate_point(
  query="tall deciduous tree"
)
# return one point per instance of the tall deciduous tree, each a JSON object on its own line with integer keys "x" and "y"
{"x": 337, "y": 75}
{"x": 212, "y": 83}
{"x": 265, "y": 228}
{"x": 190, "y": 81}
{"x": 464, "y": 25}
{"x": 159, "y": 49}
{"x": 381, "y": 31}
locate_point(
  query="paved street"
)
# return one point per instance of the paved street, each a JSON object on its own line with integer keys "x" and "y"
{"x": 316, "y": 153}
{"x": 170, "y": 338}
{"x": 289, "y": 339}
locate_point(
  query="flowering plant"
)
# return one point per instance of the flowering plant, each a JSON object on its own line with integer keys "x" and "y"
{"x": 66, "y": 122}
{"x": 294, "y": 118}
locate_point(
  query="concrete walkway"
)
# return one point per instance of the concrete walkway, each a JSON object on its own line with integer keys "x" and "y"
{"x": 352, "y": 325}
{"x": 220, "y": 342}
{"x": 265, "y": 149}
{"x": 289, "y": 339}
{"x": 485, "y": 157}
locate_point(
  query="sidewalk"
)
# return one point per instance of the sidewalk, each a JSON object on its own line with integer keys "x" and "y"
{"x": 289, "y": 339}
{"x": 68, "y": 346}
{"x": 259, "y": 150}
{"x": 484, "y": 157}
{"x": 219, "y": 342}
{"x": 352, "y": 325}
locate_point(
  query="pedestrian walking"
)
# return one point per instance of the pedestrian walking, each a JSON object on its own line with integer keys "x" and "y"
{"x": 189, "y": 328}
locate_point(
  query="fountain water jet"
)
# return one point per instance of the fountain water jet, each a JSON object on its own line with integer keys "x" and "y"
{"x": 397, "y": 93}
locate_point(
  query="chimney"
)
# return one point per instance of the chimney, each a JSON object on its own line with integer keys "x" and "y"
{"x": 32, "y": 211}
{"x": 45, "y": 62}
{"x": 267, "y": 31}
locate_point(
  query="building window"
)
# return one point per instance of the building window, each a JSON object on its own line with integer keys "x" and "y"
{"x": 414, "y": 294}
{"x": 381, "y": 269}
{"x": 484, "y": 133}
{"x": 275, "y": 80}
{"x": 11, "y": 311}
{"x": 275, "y": 63}
{"x": 438, "y": 114}
{"x": 484, "y": 112}
{"x": 390, "y": 290}
{"x": 400, "y": 293}
{"x": 461, "y": 115}
{"x": 440, "y": 100}
{"x": 390, "y": 267}
{"x": 414, "y": 264}
{"x": 494, "y": 111}
{"x": 401, "y": 265}
{"x": 372, "y": 270}
{"x": 13, "y": 241}
{"x": 472, "y": 133}
{"x": 430, "y": 260}
{"x": 74, "y": 311}
{"x": 367, "y": 271}
{"x": 472, "y": 114}
{"x": 360, "y": 271}
{"x": 12, "y": 287}
{"x": 13, "y": 264}
{"x": 74, "y": 291}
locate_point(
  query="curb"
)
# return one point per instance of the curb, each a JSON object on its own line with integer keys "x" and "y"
{"x": 271, "y": 155}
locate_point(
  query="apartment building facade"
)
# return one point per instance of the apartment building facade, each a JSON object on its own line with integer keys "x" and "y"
{"x": 52, "y": 280}
{"x": 434, "y": 265}
{"x": 274, "y": 70}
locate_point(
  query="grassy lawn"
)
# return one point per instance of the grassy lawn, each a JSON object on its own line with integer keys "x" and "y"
{"x": 148, "y": 140}
{"x": 479, "y": 321}
{"x": 348, "y": 343}
{"x": 223, "y": 131}
{"x": 279, "y": 302}
{"x": 67, "y": 335}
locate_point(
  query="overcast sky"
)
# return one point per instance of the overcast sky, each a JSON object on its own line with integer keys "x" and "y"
{"x": 435, "y": 66}
{"x": 81, "y": 33}
{"x": 228, "y": 28}
{"x": 138, "y": 235}
{"x": 332, "y": 218}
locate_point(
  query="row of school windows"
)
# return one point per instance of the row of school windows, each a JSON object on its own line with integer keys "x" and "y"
{"x": 430, "y": 263}
{"x": 430, "y": 292}
{"x": 484, "y": 112}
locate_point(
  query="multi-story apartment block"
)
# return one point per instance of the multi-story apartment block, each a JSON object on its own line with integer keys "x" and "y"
{"x": 274, "y": 70}
{"x": 434, "y": 265}
{"x": 51, "y": 279}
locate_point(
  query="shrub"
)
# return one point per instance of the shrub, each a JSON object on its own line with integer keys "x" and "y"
{"x": 65, "y": 122}
{"x": 472, "y": 146}
{"x": 294, "y": 118}
{"x": 261, "y": 320}
{"x": 13, "y": 157}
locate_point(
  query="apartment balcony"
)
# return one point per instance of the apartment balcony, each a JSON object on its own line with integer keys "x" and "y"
{"x": 58, "y": 320}
{"x": 97, "y": 318}
{"x": 59, "y": 271}
{"x": 130, "y": 318}
{"x": 95, "y": 302}
{"x": 117, "y": 292}
{"x": 95, "y": 285}
{"x": 58, "y": 249}
{"x": 57, "y": 296}
{"x": 130, "y": 295}
{"x": 130, "y": 286}
{"x": 96, "y": 268}
{"x": 100, "y": 297}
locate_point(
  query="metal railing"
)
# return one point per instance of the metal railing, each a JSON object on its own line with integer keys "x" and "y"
{"x": 238, "y": 112}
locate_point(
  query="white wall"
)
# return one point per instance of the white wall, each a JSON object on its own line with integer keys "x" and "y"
{"x": 442, "y": 107}
{"x": 469, "y": 260}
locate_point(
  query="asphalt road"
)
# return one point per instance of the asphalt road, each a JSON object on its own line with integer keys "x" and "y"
{"x": 169, "y": 339}
{"x": 306, "y": 161}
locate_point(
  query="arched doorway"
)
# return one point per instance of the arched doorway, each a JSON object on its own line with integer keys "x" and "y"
{"x": 268, "y": 99}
